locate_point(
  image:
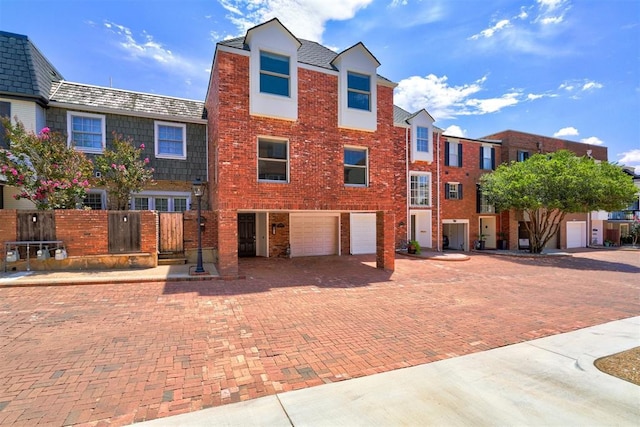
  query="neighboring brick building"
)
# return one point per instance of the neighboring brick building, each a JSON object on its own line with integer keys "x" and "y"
{"x": 576, "y": 230}
{"x": 301, "y": 149}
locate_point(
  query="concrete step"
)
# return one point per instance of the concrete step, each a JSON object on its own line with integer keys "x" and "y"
{"x": 172, "y": 261}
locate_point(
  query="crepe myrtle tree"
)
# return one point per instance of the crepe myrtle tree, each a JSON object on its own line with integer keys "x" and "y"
{"x": 546, "y": 187}
{"x": 123, "y": 171}
{"x": 44, "y": 168}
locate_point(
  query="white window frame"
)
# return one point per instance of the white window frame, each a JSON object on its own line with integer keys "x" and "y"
{"x": 156, "y": 132}
{"x": 103, "y": 139}
{"x": 151, "y": 197}
{"x": 288, "y": 164}
{"x": 426, "y": 140}
{"x": 360, "y": 91}
{"x": 412, "y": 198}
{"x": 454, "y": 188}
{"x": 453, "y": 154}
{"x": 103, "y": 197}
{"x": 366, "y": 166}
{"x": 486, "y": 151}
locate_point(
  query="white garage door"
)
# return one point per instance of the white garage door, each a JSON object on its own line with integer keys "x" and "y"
{"x": 363, "y": 233}
{"x": 576, "y": 234}
{"x": 314, "y": 235}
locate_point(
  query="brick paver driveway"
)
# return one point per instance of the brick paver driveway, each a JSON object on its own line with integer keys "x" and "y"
{"x": 124, "y": 353}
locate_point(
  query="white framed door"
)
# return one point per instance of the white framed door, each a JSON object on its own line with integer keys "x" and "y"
{"x": 362, "y": 233}
{"x": 420, "y": 227}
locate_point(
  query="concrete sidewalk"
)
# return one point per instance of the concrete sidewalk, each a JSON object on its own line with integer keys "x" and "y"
{"x": 548, "y": 381}
{"x": 133, "y": 275}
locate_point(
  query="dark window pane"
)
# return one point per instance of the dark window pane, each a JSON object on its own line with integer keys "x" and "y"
{"x": 273, "y": 150}
{"x": 354, "y": 175}
{"x": 274, "y": 84}
{"x": 358, "y": 100}
{"x": 272, "y": 170}
{"x": 355, "y": 157}
{"x": 358, "y": 82}
{"x": 274, "y": 63}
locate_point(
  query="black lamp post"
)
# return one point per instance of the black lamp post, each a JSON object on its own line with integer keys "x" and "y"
{"x": 198, "y": 190}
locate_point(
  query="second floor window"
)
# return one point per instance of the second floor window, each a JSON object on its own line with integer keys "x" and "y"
{"x": 453, "y": 154}
{"x": 274, "y": 74}
{"x": 273, "y": 160}
{"x": 355, "y": 166}
{"x": 5, "y": 111}
{"x": 86, "y": 131}
{"x": 359, "y": 91}
{"x": 487, "y": 156}
{"x": 422, "y": 139}
{"x": 171, "y": 141}
{"x": 420, "y": 190}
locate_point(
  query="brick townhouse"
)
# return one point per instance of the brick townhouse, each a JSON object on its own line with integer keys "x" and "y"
{"x": 302, "y": 142}
{"x": 578, "y": 229}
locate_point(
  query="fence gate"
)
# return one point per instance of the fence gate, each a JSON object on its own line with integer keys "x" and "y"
{"x": 36, "y": 225}
{"x": 171, "y": 233}
{"x": 124, "y": 232}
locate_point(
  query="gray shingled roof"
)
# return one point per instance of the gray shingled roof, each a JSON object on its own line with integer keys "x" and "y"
{"x": 24, "y": 70}
{"x": 400, "y": 116}
{"x": 310, "y": 53}
{"x": 103, "y": 98}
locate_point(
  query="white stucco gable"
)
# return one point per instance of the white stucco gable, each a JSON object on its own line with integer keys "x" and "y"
{"x": 272, "y": 38}
{"x": 421, "y": 150}
{"x": 359, "y": 62}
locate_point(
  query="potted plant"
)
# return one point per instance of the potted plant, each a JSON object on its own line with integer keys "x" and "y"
{"x": 481, "y": 241}
{"x": 413, "y": 247}
{"x": 502, "y": 240}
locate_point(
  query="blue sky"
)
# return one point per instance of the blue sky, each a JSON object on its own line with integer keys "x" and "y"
{"x": 563, "y": 68}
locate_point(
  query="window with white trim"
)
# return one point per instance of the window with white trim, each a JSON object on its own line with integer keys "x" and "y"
{"x": 453, "y": 154}
{"x": 358, "y": 91}
{"x": 420, "y": 189}
{"x": 5, "y": 111}
{"x": 355, "y": 166}
{"x": 273, "y": 160}
{"x": 453, "y": 191}
{"x": 487, "y": 155}
{"x": 422, "y": 139}
{"x": 522, "y": 155}
{"x": 161, "y": 202}
{"x": 86, "y": 132}
{"x": 274, "y": 74}
{"x": 170, "y": 140}
{"x": 94, "y": 200}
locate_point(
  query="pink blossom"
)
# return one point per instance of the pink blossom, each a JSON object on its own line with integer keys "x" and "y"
{"x": 14, "y": 172}
{"x": 45, "y": 130}
{"x": 146, "y": 160}
{"x": 113, "y": 166}
{"x": 142, "y": 146}
{"x": 122, "y": 168}
{"x": 75, "y": 180}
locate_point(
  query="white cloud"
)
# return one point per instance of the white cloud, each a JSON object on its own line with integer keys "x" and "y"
{"x": 454, "y": 130}
{"x": 147, "y": 48}
{"x": 489, "y": 32}
{"x": 593, "y": 140}
{"x": 550, "y": 5}
{"x": 305, "y": 19}
{"x": 631, "y": 158}
{"x": 592, "y": 85}
{"x": 444, "y": 101}
{"x": 568, "y": 131}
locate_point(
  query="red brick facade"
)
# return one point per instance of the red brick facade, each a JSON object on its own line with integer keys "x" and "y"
{"x": 316, "y": 150}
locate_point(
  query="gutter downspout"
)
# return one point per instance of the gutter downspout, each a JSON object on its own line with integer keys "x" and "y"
{"x": 439, "y": 242}
{"x": 408, "y": 182}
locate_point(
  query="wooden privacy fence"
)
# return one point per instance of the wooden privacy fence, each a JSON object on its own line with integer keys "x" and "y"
{"x": 124, "y": 232}
{"x": 171, "y": 233}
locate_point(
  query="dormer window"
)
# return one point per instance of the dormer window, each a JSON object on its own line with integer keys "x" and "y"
{"x": 274, "y": 74}
{"x": 422, "y": 139}
{"x": 359, "y": 91}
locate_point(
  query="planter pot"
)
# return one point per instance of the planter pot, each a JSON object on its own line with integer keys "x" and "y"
{"x": 411, "y": 249}
{"x": 480, "y": 245}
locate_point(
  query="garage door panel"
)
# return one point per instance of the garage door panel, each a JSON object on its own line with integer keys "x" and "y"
{"x": 576, "y": 235}
{"x": 363, "y": 233}
{"x": 314, "y": 235}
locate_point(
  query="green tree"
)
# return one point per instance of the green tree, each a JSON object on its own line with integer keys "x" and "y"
{"x": 546, "y": 187}
{"x": 47, "y": 171}
{"x": 123, "y": 171}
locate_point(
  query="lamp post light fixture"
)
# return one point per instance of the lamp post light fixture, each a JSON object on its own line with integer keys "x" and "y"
{"x": 198, "y": 191}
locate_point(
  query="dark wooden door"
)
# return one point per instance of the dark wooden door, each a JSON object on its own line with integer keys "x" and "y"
{"x": 246, "y": 234}
{"x": 124, "y": 232}
{"x": 36, "y": 225}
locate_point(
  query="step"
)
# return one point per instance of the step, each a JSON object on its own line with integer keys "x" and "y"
{"x": 172, "y": 261}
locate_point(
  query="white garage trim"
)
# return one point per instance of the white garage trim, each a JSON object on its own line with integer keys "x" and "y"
{"x": 576, "y": 234}
{"x": 363, "y": 233}
{"x": 314, "y": 234}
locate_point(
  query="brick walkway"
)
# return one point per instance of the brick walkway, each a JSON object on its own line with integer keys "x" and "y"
{"x": 117, "y": 354}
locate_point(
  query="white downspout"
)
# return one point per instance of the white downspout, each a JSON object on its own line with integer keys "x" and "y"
{"x": 407, "y": 181}
{"x": 439, "y": 242}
